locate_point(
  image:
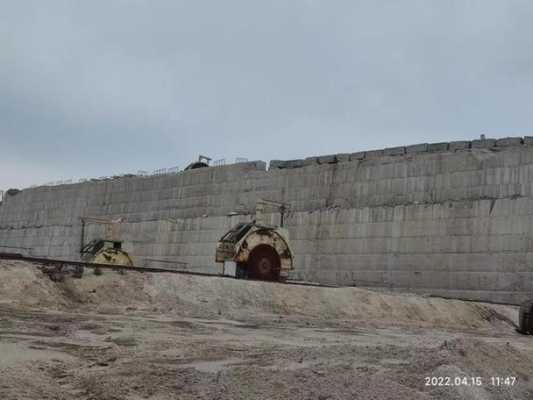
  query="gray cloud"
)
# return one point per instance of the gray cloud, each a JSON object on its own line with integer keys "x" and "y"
{"x": 103, "y": 87}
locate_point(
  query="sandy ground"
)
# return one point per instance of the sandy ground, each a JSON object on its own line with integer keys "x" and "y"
{"x": 165, "y": 336}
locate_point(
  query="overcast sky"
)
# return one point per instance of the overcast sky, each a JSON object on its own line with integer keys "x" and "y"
{"x": 93, "y": 88}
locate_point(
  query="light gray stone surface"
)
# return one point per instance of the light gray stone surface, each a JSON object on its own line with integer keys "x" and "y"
{"x": 460, "y": 145}
{"x": 417, "y": 148}
{"x": 394, "y": 151}
{"x": 357, "y": 156}
{"x": 374, "y": 153}
{"x": 509, "y": 141}
{"x": 343, "y": 157}
{"x": 276, "y": 164}
{"x": 310, "y": 161}
{"x": 294, "y": 164}
{"x": 483, "y": 143}
{"x": 329, "y": 159}
{"x": 456, "y": 224}
{"x": 438, "y": 147}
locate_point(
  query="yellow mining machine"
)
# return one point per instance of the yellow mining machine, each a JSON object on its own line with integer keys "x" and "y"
{"x": 256, "y": 250}
{"x": 106, "y": 250}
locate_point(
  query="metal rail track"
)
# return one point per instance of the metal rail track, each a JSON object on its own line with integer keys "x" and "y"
{"x": 61, "y": 263}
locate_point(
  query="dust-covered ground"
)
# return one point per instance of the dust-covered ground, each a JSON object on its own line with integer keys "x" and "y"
{"x": 167, "y": 336}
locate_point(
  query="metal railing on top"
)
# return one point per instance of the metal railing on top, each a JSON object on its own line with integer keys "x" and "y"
{"x": 141, "y": 173}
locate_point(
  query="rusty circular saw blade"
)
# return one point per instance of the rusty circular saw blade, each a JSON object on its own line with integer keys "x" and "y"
{"x": 264, "y": 264}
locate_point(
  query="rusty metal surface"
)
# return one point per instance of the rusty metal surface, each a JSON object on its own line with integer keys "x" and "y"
{"x": 112, "y": 256}
{"x": 259, "y": 250}
{"x": 264, "y": 264}
{"x": 273, "y": 238}
{"x": 239, "y": 244}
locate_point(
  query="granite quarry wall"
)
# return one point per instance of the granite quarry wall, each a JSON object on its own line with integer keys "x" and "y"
{"x": 451, "y": 219}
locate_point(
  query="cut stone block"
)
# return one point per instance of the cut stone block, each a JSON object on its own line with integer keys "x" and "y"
{"x": 528, "y": 140}
{"x": 509, "y": 141}
{"x": 343, "y": 157}
{"x": 459, "y": 145}
{"x": 329, "y": 159}
{"x": 417, "y": 148}
{"x": 357, "y": 156}
{"x": 438, "y": 147}
{"x": 374, "y": 153}
{"x": 311, "y": 161}
{"x": 395, "y": 151}
{"x": 276, "y": 164}
{"x": 294, "y": 163}
{"x": 483, "y": 143}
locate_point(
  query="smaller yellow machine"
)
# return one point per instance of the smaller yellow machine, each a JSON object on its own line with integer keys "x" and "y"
{"x": 107, "y": 250}
{"x": 101, "y": 251}
{"x": 257, "y": 250}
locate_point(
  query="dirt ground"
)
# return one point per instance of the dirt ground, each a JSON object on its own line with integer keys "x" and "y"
{"x": 167, "y": 336}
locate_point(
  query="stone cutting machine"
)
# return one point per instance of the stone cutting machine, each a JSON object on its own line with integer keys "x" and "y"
{"x": 106, "y": 250}
{"x": 256, "y": 250}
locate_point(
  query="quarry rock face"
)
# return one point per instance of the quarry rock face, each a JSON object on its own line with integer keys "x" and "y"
{"x": 451, "y": 219}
